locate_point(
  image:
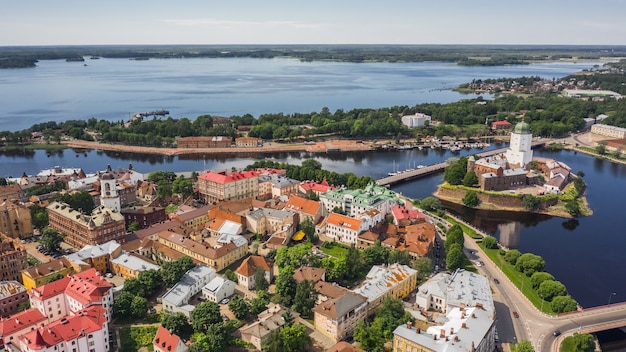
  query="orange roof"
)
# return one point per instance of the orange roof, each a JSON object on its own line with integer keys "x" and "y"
{"x": 164, "y": 340}
{"x": 52, "y": 289}
{"x": 248, "y": 267}
{"x": 419, "y": 238}
{"x": 223, "y": 178}
{"x": 369, "y": 236}
{"x": 344, "y": 221}
{"x": 343, "y": 346}
{"x": 302, "y": 205}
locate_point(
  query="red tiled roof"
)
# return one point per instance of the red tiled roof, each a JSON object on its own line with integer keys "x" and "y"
{"x": 21, "y": 320}
{"x": 500, "y": 123}
{"x": 249, "y": 265}
{"x": 164, "y": 340}
{"x": 88, "y": 286}
{"x": 69, "y": 328}
{"x": 344, "y": 221}
{"x": 322, "y": 187}
{"x": 52, "y": 289}
{"x": 308, "y": 273}
{"x": 223, "y": 179}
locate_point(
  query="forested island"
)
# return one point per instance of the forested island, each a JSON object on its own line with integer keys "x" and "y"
{"x": 473, "y": 55}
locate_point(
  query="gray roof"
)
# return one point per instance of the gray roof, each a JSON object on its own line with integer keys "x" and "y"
{"x": 91, "y": 251}
{"x": 215, "y": 284}
{"x": 184, "y": 289}
{"x": 134, "y": 263}
{"x": 514, "y": 172}
{"x": 461, "y": 288}
{"x": 380, "y": 279}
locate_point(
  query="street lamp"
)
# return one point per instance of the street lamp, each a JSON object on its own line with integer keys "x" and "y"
{"x": 610, "y": 296}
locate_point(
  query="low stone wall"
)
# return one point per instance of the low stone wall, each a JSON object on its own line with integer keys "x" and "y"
{"x": 498, "y": 201}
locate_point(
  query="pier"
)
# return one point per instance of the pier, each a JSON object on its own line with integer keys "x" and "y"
{"x": 436, "y": 168}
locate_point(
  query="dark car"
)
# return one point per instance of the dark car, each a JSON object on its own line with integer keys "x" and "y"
{"x": 496, "y": 281}
{"x": 515, "y": 314}
{"x": 556, "y": 333}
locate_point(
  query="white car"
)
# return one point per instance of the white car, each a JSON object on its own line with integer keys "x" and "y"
{"x": 108, "y": 275}
{"x": 225, "y": 301}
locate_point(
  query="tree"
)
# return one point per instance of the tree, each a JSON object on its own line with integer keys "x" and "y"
{"x": 150, "y": 280}
{"x": 274, "y": 342}
{"x": 39, "y": 216}
{"x": 601, "y": 147}
{"x": 573, "y": 208}
{"x": 424, "y": 267}
{"x": 397, "y": 256}
{"x": 286, "y": 285}
{"x": 454, "y": 258}
{"x": 455, "y": 171}
{"x": 288, "y": 317}
{"x": 308, "y": 227}
{"x": 353, "y": 261}
{"x": 259, "y": 279}
{"x": 138, "y": 307}
{"x": 230, "y": 275}
{"x": 376, "y": 254}
{"x": 537, "y": 278}
{"x": 133, "y": 286}
{"x": 158, "y": 176}
{"x": 471, "y": 199}
{"x": 51, "y": 239}
{"x": 81, "y": 201}
{"x": 387, "y": 318}
{"x": 121, "y": 305}
{"x": 178, "y": 324}
{"x": 295, "y": 338}
{"x": 305, "y": 297}
{"x": 529, "y": 263}
{"x": 204, "y": 315}
{"x": 550, "y": 289}
{"x": 239, "y": 307}
{"x": 470, "y": 179}
{"x": 133, "y": 226}
{"x": 259, "y": 304}
{"x": 454, "y": 235}
{"x": 563, "y": 304}
{"x": 215, "y": 338}
{"x": 523, "y": 346}
{"x": 430, "y": 204}
{"x": 578, "y": 343}
{"x": 490, "y": 242}
{"x": 172, "y": 272}
{"x": 512, "y": 255}
{"x": 182, "y": 186}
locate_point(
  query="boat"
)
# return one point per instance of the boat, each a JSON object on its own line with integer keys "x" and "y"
{"x": 420, "y": 166}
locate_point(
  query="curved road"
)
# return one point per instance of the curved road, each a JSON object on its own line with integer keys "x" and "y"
{"x": 532, "y": 325}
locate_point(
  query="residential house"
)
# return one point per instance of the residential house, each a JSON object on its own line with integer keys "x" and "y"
{"x": 218, "y": 289}
{"x": 366, "y": 239}
{"x": 15, "y": 220}
{"x": 355, "y": 202}
{"x": 219, "y": 256}
{"x": 271, "y": 319}
{"x": 248, "y": 142}
{"x": 393, "y": 281}
{"x": 419, "y": 240}
{"x": 248, "y": 268}
{"x": 309, "y": 273}
{"x": 12, "y": 191}
{"x": 279, "y": 185}
{"x": 166, "y": 341}
{"x": 307, "y": 209}
{"x": 17, "y": 325}
{"x": 415, "y": 121}
{"x": 343, "y": 228}
{"x": 267, "y": 221}
{"x": 12, "y": 295}
{"x": 13, "y": 258}
{"x": 444, "y": 291}
{"x": 128, "y": 265}
{"x": 197, "y": 217}
{"x": 317, "y": 188}
{"x": 337, "y": 318}
{"x": 39, "y": 275}
{"x": 176, "y": 300}
{"x": 328, "y": 290}
{"x": 143, "y": 216}
{"x": 97, "y": 257}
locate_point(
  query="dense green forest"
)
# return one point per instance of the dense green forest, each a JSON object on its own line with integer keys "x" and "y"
{"x": 484, "y": 55}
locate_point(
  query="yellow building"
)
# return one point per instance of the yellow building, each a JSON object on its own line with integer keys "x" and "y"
{"x": 129, "y": 265}
{"x": 393, "y": 281}
{"x": 98, "y": 257}
{"x": 217, "y": 257}
{"x": 15, "y": 220}
{"x": 38, "y": 275}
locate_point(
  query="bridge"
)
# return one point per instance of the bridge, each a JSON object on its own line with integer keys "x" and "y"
{"x": 436, "y": 168}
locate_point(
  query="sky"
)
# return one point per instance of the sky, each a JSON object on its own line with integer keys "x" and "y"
{"x": 84, "y": 22}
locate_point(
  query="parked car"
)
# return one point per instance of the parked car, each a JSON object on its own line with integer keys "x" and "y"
{"x": 151, "y": 310}
{"x": 225, "y": 301}
{"x": 201, "y": 298}
{"x": 556, "y": 333}
{"x": 108, "y": 275}
{"x": 496, "y": 281}
{"x": 515, "y": 314}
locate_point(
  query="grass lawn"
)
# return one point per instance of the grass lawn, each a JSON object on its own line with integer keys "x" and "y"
{"x": 135, "y": 337}
{"x": 335, "y": 249}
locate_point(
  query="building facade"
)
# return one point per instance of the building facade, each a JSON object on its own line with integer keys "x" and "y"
{"x": 39, "y": 275}
{"x": 15, "y": 220}
{"x": 204, "y": 142}
{"x": 337, "y": 318}
{"x": 12, "y": 295}
{"x": 103, "y": 225}
{"x": 215, "y": 187}
{"x": 393, "y": 281}
{"x": 417, "y": 120}
{"x": 144, "y": 216}
{"x": 609, "y": 131}
{"x": 13, "y": 258}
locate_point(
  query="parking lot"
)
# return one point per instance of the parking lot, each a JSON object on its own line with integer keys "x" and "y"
{"x": 33, "y": 251}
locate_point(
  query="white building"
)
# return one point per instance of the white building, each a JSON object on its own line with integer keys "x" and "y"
{"x": 344, "y": 228}
{"x": 218, "y": 289}
{"x": 609, "y": 131}
{"x": 417, "y": 120}
{"x": 519, "y": 151}
{"x": 444, "y": 291}
{"x": 108, "y": 192}
{"x": 176, "y": 300}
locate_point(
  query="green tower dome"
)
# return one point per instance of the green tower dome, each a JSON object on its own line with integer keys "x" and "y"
{"x": 522, "y": 128}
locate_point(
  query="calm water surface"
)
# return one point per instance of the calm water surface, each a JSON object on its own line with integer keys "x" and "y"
{"x": 113, "y": 89}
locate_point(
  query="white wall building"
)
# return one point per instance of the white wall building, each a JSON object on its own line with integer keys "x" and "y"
{"x": 520, "y": 152}
{"x": 176, "y": 300}
{"x": 218, "y": 289}
{"x": 417, "y": 120}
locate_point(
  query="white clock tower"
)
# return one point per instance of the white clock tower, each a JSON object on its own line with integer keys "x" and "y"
{"x": 108, "y": 192}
